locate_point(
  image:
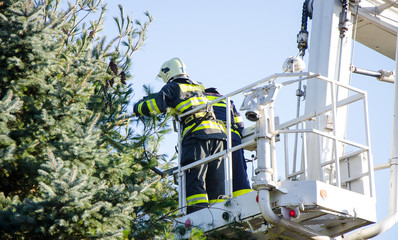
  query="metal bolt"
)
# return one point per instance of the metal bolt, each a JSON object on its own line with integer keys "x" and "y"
{"x": 225, "y": 216}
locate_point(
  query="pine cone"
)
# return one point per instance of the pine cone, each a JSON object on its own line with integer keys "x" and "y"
{"x": 91, "y": 34}
{"x": 123, "y": 77}
{"x": 113, "y": 67}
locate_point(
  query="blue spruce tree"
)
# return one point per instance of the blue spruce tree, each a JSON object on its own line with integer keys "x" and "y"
{"x": 72, "y": 165}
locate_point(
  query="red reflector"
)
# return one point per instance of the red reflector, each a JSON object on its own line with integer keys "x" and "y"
{"x": 292, "y": 213}
{"x": 188, "y": 223}
{"x": 257, "y": 198}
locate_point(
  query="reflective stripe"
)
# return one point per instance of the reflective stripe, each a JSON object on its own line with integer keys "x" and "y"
{"x": 236, "y": 132}
{"x": 139, "y": 108}
{"x": 203, "y": 125}
{"x": 238, "y": 119}
{"x": 191, "y": 102}
{"x": 216, "y": 201}
{"x": 190, "y": 88}
{"x": 197, "y": 198}
{"x": 153, "y": 107}
{"x": 240, "y": 192}
{"x": 149, "y": 105}
{"x": 220, "y": 104}
{"x": 223, "y": 125}
{"x": 211, "y": 98}
{"x": 208, "y": 124}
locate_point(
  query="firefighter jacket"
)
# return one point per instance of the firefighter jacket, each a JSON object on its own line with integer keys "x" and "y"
{"x": 183, "y": 95}
{"x": 220, "y": 113}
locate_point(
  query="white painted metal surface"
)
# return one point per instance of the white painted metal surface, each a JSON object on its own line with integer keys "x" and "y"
{"x": 392, "y": 219}
{"x": 329, "y": 56}
{"x": 320, "y": 204}
{"x": 377, "y": 26}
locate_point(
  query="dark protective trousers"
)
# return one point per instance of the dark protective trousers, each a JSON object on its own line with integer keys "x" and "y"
{"x": 240, "y": 180}
{"x": 207, "y": 180}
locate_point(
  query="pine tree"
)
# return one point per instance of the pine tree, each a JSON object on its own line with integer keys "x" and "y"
{"x": 72, "y": 165}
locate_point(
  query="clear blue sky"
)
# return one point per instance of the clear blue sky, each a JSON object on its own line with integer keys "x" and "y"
{"x": 229, "y": 44}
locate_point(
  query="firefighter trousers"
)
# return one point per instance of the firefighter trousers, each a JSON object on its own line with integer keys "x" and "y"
{"x": 240, "y": 180}
{"x": 204, "y": 183}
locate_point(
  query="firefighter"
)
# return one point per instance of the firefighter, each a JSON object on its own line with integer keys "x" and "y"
{"x": 240, "y": 180}
{"x": 202, "y": 135}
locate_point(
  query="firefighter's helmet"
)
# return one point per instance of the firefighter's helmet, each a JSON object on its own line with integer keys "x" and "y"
{"x": 171, "y": 69}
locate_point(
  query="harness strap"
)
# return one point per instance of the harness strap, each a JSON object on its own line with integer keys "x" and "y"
{"x": 199, "y": 117}
{"x": 198, "y": 122}
{"x": 194, "y": 116}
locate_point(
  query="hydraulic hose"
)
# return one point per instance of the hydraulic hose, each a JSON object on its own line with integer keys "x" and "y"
{"x": 302, "y": 36}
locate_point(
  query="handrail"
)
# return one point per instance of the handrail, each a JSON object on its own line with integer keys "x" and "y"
{"x": 325, "y": 109}
{"x": 269, "y": 78}
{"x": 181, "y": 169}
{"x": 269, "y": 170}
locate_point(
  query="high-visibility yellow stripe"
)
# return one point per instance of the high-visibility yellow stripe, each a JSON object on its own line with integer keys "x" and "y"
{"x": 208, "y": 124}
{"x": 197, "y": 202}
{"x": 197, "y": 198}
{"x": 200, "y": 195}
{"x": 190, "y": 88}
{"x": 216, "y": 201}
{"x": 203, "y": 125}
{"x": 220, "y": 104}
{"x": 211, "y": 98}
{"x": 183, "y": 105}
{"x": 153, "y": 107}
{"x": 149, "y": 105}
{"x": 238, "y": 119}
{"x": 139, "y": 108}
{"x": 240, "y": 192}
{"x": 223, "y": 125}
{"x": 191, "y": 102}
{"x": 236, "y": 132}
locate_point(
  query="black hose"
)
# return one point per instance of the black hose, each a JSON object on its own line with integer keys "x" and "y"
{"x": 304, "y": 16}
{"x": 302, "y": 36}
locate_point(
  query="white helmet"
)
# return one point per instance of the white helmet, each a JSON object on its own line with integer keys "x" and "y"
{"x": 171, "y": 69}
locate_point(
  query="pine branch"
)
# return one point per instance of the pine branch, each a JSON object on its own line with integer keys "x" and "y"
{"x": 62, "y": 145}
